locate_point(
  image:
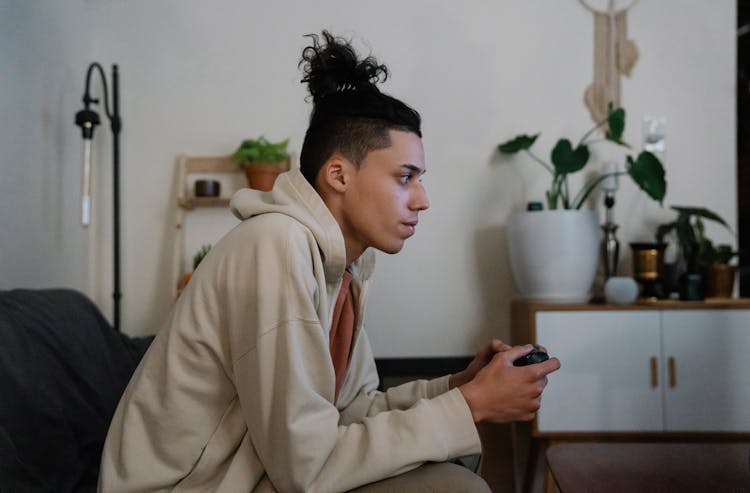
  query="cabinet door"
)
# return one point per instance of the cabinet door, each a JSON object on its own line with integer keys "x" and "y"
{"x": 711, "y": 386}
{"x": 605, "y": 382}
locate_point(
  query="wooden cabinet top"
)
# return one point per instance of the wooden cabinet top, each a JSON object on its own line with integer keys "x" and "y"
{"x": 707, "y": 304}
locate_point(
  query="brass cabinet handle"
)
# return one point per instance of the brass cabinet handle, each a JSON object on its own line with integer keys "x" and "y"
{"x": 654, "y": 373}
{"x": 672, "y": 372}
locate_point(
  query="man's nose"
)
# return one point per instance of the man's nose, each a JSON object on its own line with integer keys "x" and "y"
{"x": 419, "y": 200}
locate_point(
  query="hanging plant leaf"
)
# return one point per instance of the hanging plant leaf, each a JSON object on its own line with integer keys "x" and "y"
{"x": 567, "y": 160}
{"x": 706, "y": 252}
{"x": 700, "y": 212}
{"x": 616, "y": 125}
{"x": 687, "y": 239}
{"x": 663, "y": 230}
{"x": 648, "y": 173}
{"x": 519, "y": 143}
{"x": 724, "y": 254}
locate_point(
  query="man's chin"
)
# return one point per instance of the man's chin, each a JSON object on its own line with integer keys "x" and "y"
{"x": 391, "y": 249}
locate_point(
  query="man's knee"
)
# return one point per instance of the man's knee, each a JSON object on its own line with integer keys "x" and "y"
{"x": 430, "y": 478}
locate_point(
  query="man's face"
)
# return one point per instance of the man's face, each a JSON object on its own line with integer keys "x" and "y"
{"x": 386, "y": 195}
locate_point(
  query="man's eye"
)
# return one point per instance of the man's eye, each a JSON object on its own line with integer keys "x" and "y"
{"x": 405, "y": 179}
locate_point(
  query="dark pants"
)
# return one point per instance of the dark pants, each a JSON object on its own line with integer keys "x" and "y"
{"x": 435, "y": 477}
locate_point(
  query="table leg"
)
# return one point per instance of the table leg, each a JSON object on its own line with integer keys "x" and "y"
{"x": 550, "y": 486}
{"x": 549, "y": 481}
{"x": 531, "y": 463}
{"x": 497, "y": 457}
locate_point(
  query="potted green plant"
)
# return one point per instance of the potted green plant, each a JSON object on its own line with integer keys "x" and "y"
{"x": 538, "y": 240}
{"x": 708, "y": 271}
{"x": 646, "y": 170}
{"x": 197, "y": 258}
{"x": 262, "y": 161}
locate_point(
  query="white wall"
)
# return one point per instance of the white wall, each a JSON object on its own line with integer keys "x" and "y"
{"x": 198, "y": 76}
{"x": 41, "y": 49}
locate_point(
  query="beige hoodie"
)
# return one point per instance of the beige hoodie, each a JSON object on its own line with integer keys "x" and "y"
{"x": 236, "y": 392}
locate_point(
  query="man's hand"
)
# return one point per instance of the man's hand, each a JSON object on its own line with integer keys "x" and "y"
{"x": 483, "y": 356}
{"x": 503, "y": 393}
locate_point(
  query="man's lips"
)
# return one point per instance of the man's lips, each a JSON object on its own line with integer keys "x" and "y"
{"x": 411, "y": 226}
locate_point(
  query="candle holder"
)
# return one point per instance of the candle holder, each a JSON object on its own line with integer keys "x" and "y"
{"x": 610, "y": 246}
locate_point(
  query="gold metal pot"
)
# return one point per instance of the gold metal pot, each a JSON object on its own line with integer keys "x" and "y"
{"x": 648, "y": 267}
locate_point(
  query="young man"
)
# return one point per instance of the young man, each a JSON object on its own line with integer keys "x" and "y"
{"x": 263, "y": 378}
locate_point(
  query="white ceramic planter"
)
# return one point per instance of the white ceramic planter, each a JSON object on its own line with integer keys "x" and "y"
{"x": 554, "y": 254}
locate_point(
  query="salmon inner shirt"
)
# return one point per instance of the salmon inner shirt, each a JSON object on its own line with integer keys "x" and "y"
{"x": 342, "y": 328}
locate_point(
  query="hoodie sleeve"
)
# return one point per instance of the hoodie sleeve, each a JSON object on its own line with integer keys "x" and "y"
{"x": 285, "y": 383}
{"x": 362, "y": 382}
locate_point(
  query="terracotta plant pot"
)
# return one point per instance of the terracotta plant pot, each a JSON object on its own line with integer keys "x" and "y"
{"x": 262, "y": 176}
{"x": 719, "y": 280}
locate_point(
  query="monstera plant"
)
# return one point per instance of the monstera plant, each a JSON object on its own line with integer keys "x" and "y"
{"x": 554, "y": 253}
{"x": 645, "y": 169}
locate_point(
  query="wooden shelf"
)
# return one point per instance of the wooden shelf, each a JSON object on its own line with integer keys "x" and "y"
{"x": 224, "y": 169}
{"x": 708, "y": 303}
{"x": 187, "y": 165}
{"x": 193, "y": 202}
{"x": 221, "y": 168}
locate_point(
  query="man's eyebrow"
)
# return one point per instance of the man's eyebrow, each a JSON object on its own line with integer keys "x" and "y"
{"x": 414, "y": 168}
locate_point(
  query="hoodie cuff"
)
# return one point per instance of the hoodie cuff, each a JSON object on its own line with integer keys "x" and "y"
{"x": 457, "y": 425}
{"x": 438, "y": 386}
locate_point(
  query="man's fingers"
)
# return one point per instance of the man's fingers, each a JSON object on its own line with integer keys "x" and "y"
{"x": 498, "y": 346}
{"x": 540, "y": 371}
{"x": 547, "y": 367}
{"x": 515, "y": 352}
{"x": 491, "y": 348}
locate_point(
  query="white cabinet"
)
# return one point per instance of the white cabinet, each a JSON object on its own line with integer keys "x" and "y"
{"x": 604, "y": 383}
{"x": 645, "y": 370}
{"x": 708, "y": 384}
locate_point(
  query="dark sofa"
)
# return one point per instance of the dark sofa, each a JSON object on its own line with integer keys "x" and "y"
{"x": 63, "y": 369}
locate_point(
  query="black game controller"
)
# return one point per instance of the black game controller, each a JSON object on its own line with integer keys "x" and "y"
{"x": 535, "y": 356}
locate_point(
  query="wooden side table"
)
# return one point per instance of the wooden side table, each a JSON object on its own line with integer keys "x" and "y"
{"x": 694, "y": 467}
{"x": 638, "y": 373}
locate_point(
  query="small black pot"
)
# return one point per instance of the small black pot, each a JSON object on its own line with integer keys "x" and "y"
{"x": 692, "y": 286}
{"x": 207, "y": 188}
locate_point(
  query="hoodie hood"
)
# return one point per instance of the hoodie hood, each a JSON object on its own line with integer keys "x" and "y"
{"x": 293, "y": 196}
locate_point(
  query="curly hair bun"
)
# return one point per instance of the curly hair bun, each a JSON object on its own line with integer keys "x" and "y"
{"x": 334, "y": 68}
{"x": 349, "y": 113}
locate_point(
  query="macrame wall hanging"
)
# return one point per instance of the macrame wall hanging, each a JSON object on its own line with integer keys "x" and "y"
{"x": 614, "y": 54}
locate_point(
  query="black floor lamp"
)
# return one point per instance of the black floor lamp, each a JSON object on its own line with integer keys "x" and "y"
{"x": 88, "y": 119}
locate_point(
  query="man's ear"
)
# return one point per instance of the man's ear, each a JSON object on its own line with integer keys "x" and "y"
{"x": 335, "y": 173}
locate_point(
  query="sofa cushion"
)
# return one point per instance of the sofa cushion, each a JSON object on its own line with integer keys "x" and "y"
{"x": 63, "y": 369}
